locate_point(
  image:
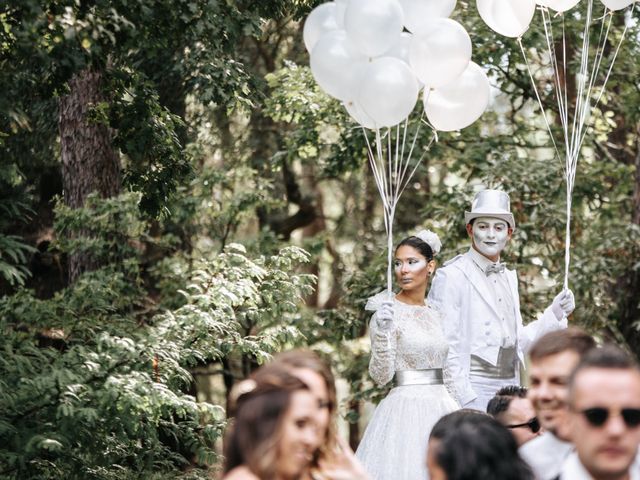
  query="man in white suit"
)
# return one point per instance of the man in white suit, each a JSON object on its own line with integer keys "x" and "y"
{"x": 478, "y": 297}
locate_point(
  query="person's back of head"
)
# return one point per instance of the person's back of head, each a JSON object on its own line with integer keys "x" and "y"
{"x": 470, "y": 445}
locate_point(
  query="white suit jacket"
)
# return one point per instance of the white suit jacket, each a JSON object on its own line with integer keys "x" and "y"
{"x": 472, "y": 321}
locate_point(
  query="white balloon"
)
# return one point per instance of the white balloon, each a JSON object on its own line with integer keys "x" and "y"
{"x": 460, "y": 103}
{"x": 359, "y": 115}
{"x": 321, "y": 20}
{"x": 440, "y": 52}
{"x": 341, "y": 8}
{"x": 559, "y": 5}
{"x": 373, "y": 25}
{"x": 401, "y": 48}
{"x": 617, "y": 4}
{"x": 419, "y": 12}
{"x": 507, "y": 17}
{"x": 334, "y": 63}
{"x": 388, "y": 91}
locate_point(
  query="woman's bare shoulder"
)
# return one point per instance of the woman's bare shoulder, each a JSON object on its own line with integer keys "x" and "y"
{"x": 240, "y": 473}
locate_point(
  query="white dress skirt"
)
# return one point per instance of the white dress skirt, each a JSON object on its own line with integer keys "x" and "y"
{"x": 394, "y": 445}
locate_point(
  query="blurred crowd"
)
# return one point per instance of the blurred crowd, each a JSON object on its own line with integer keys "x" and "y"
{"x": 578, "y": 419}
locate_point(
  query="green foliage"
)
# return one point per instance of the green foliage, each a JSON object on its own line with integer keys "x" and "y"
{"x": 14, "y": 210}
{"x": 13, "y": 257}
{"x": 147, "y": 134}
{"x": 93, "y": 386}
{"x": 323, "y": 131}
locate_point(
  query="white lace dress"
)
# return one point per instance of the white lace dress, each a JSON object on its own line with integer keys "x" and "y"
{"x": 394, "y": 445}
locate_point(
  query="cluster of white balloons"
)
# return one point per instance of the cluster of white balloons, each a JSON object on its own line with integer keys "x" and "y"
{"x": 376, "y": 56}
{"x": 512, "y": 18}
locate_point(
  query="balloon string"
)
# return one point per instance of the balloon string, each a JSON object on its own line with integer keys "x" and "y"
{"x": 567, "y": 241}
{"x": 535, "y": 89}
{"x": 575, "y": 133}
{"x": 390, "y": 174}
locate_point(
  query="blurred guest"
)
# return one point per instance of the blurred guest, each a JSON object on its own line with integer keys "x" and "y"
{"x": 604, "y": 418}
{"x": 553, "y": 358}
{"x": 334, "y": 459}
{"x": 470, "y": 445}
{"x": 274, "y": 434}
{"x": 511, "y": 407}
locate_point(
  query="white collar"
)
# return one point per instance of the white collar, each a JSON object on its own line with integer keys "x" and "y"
{"x": 480, "y": 260}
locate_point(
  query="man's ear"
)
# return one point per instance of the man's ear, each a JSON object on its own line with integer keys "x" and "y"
{"x": 470, "y": 229}
{"x": 510, "y": 232}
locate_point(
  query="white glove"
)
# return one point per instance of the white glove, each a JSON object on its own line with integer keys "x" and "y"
{"x": 384, "y": 317}
{"x": 563, "y": 304}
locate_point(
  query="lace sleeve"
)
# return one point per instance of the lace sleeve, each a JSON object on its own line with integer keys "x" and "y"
{"x": 382, "y": 365}
{"x": 449, "y": 383}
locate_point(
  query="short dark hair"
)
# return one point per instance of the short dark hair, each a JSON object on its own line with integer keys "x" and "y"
{"x": 502, "y": 399}
{"x": 568, "y": 339}
{"x": 475, "y": 446}
{"x": 420, "y": 245}
{"x": 608, "y": 356}
{"x": 451, "y": 421}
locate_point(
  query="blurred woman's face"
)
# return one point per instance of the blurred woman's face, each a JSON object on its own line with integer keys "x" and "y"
{"x": 298, "y": 436}
{"x": 318, "y": 387}
{"x": 435, "y": 470}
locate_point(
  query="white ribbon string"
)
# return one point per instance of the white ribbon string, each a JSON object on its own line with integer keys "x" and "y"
{"x": 392, "y": 172}
{"x": 574, "y": 130}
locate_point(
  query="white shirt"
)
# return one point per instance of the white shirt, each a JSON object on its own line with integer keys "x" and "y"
{"x": 498, "y": 285}
{"x": 545, "y": 455}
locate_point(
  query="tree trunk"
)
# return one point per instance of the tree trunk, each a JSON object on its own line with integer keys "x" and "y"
{"x": 629, "y": 283}
{"x": 89, "y": 161}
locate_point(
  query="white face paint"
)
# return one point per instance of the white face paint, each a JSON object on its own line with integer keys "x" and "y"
{"x": 409, "y": 265}
{"x": 490, "y": 236}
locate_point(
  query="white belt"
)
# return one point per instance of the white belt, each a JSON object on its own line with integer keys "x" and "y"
{"x": 431, "y": 376}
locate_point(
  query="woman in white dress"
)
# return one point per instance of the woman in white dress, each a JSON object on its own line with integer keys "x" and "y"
{"x": 407, "y": 345}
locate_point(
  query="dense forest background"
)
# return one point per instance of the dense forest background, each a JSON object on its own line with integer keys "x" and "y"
{"x": 179, "y": 200}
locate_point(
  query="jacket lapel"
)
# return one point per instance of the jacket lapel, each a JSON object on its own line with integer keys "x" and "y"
{"x": 475, "y": 277}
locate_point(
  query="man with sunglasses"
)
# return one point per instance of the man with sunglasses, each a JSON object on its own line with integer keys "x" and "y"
{"x": 604, "y": 418}
{"x": 552, "y": 359}
{"x": 511, "y": 407}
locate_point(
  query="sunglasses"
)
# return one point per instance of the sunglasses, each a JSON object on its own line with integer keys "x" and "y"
{"x": 533, "y": 425}
{"x": 598, "y": 416}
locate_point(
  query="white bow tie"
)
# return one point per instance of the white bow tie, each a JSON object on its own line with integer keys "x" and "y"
{"x": 494, "y": 268}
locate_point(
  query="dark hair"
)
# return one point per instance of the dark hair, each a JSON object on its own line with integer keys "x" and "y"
{"x": 260, "y": 408}
{"x": 310, "y": 360}
{"x": 420, "y": 245}
{"x": 475, "y": 446}
{"x": 502, "y": 399}
{"x": 608, "y": 356}
{"x": 451, "y": 421}
{"x": 569, "y": 339}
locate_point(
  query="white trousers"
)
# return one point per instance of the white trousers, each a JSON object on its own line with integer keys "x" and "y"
{"x": 486, "y": 389}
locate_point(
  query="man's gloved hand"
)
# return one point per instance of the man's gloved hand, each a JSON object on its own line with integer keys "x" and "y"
{"x": 563, "y": 304}
{"x": 384, "y": 317}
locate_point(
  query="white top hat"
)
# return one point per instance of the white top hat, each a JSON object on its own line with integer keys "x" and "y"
{"x": 491, "y": 203}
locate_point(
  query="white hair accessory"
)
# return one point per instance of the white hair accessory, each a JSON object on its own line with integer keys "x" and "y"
{"x": 431, "y": 239}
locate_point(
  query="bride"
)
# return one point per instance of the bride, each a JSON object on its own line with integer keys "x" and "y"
{"x": 408, "y": 345}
